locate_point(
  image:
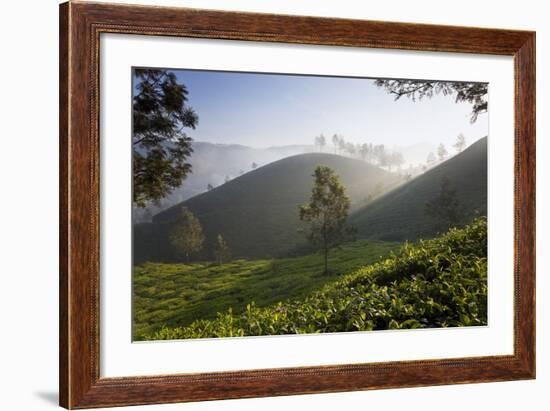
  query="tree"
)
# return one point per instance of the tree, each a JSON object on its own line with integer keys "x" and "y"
{"x": 187, "y": 237}
{"x": 350, "y": 148}
{"x": 254, "y": 165}
{"x": 160, "y": 147}
{"x": 335, "y": 142}
{"x": 473, "y": 93}
{"x": 320, "y": 141}
{"x": 327, "y": 212}
{"x": 380, "y": 154}
{"x": 342, "y": 145}
{"x": 209, "y": 187}
{"x": 460, "y": 143}
{"x": 431, "y": 159}
{"x": 227, "y": 179}
{"x": 221, "y": 251}
{"x": 445, "y": 207}
{"x": 441, "y": 152}
{"x": 316, "y": 141}
{"x": 364, "y": 151}
{"x": 397, "y": 159}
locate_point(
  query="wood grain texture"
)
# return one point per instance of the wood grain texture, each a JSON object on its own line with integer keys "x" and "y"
{"x": 63, "y": 205}
{"x": 80, "y": 27}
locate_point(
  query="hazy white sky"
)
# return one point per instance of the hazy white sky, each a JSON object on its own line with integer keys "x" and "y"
{"x": 262, "y": 110}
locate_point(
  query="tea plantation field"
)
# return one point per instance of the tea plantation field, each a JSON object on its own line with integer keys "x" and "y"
{"x": 175, "y": 295}
{"x": 434, "y": 283}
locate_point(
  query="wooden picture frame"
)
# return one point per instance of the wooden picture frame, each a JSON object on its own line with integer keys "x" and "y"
{"x": 80, "y": 27}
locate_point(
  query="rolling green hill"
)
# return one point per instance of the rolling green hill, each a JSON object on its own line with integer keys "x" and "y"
{"x": 436, "y": 283}
{"x": 400, "y": 214}
{"x": 178, "y": 294}
{"x": 257, "y": 213}
{"x": 211, "y": 163}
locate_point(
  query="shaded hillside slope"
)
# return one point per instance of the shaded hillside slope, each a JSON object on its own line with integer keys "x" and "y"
{"x": 257, "y": 213}
{"x": 400, "y": 214}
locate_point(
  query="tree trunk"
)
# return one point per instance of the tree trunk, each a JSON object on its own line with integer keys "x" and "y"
{"x": 326, "y": 261}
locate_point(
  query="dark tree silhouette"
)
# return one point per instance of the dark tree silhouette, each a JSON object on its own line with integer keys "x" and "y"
{"x": 445, "y": 208}
{"x": 160, "y": 147}
{"x": 327, "y": 212}
{"x": 473, "y": 93}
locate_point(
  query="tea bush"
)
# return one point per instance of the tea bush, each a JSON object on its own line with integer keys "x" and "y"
{"x": 175, "y": 295}
{"x": 434, "y": 283}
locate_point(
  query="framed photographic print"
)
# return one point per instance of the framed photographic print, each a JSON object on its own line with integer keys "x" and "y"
{"x": 257, "y": 205}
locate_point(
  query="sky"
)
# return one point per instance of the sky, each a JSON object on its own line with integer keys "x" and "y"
{"x": 264, "y": 110}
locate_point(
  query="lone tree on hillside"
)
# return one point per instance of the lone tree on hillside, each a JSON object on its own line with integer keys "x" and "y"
{"x": 254, "y": 165}
{"x": 442, "y": 152}
{"x": 187, "y": 237}
{"x": 221, "y": 251}
{"x": 473, "y": 93}
{"x": 160, "y": 147}
{"x": 445, "y": 207}
{"x": 327, "y": 212}
{"x": 460, "y": 143}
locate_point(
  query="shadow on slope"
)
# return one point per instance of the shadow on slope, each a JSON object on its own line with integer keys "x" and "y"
{"x": 257, "y": 213}
{"x": 400, "y": 214}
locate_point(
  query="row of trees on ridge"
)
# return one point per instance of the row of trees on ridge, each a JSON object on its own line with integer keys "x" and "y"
{"x": 379, "y": 155}
{"x": 371, "y": 153}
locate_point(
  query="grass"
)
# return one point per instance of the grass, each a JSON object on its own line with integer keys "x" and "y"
{"x": 436, "y": 283}
{"x": 175, "y": 295}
